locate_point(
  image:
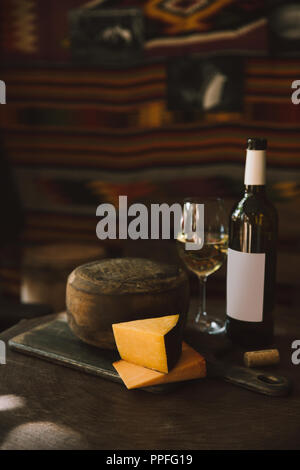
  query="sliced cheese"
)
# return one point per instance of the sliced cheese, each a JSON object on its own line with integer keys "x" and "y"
{"x": 154, "y": 343}
{"x": 191, "y": 365}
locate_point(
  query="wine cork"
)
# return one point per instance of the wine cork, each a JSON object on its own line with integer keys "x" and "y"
{"x": 265, "y": 357}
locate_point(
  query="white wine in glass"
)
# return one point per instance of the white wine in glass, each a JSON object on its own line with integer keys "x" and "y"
{"x": 208, "y": 259}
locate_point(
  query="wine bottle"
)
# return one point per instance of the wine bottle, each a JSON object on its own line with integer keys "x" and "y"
{"x": 251, "y": 268}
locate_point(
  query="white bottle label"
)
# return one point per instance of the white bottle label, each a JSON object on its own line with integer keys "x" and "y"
{"x": 245, "y": 285}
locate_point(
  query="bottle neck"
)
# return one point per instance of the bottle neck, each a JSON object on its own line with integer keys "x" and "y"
{"x": 255, "y": 168}
{"x": 257, "y": 190}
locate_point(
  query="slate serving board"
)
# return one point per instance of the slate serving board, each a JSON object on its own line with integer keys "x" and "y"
{"x": 55, "y": 342}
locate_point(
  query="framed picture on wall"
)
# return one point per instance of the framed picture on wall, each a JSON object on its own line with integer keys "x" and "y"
{"x": 212, "y": 84}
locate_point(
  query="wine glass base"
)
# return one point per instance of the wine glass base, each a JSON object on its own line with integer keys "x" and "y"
{"x": 211, "y": 327}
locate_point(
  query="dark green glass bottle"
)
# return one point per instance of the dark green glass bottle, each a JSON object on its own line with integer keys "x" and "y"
{"x": 251, "y": 269}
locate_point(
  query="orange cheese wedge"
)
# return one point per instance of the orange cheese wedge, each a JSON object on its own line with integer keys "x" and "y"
{"x": 191, "y": 365}
{"x": 154, "y": 343}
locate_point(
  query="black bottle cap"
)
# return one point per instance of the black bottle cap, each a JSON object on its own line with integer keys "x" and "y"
{"x": 257, "y": 143}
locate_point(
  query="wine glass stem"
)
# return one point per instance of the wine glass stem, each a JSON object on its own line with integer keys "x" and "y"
{"x": 202, "y": 304}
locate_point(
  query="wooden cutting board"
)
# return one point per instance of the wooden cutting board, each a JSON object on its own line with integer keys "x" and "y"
{"x": 55, "y": 342}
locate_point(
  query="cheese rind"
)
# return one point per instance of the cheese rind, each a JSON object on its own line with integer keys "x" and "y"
{"x": 191, "y": 365}
{"x": 154, "y": 343}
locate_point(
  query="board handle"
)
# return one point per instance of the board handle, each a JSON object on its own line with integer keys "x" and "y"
{"x": 256, "y": 380}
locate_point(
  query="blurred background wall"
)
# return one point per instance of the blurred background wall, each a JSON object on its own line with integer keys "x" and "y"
{"x": 153, "y": 100}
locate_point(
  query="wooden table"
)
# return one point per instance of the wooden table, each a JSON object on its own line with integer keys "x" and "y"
{"x": 47, "y": 406}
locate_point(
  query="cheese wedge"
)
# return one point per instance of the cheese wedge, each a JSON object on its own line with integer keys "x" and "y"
{"x": 154, "y": 343}
{"x": 191, "y": 365}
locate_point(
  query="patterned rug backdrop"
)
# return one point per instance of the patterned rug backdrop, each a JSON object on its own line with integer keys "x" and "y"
{"x": 150, "y": 99}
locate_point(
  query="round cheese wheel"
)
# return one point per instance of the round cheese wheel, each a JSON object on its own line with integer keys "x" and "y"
{"x": 117, "y": 290}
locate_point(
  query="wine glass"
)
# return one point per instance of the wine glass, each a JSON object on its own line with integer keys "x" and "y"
{"x": 209, "y": 251}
